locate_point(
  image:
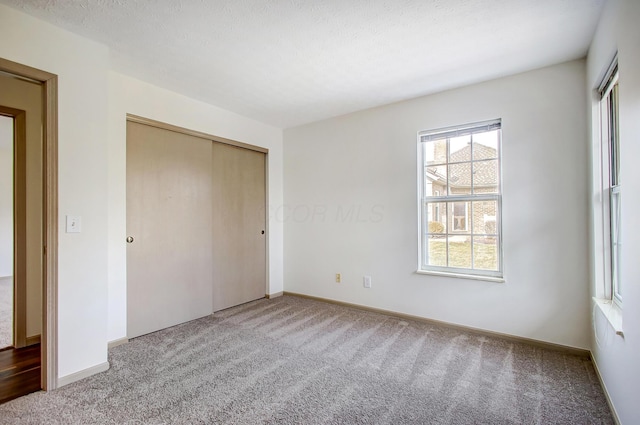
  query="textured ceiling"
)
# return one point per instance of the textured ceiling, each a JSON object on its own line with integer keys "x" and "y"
{"x": 289, "y": 62}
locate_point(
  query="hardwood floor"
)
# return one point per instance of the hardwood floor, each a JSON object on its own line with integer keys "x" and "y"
{"x": 19, "y": 372}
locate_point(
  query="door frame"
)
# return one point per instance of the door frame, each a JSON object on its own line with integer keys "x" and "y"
{"x": 159, "y": 124}
{"x": 49, "y": 340}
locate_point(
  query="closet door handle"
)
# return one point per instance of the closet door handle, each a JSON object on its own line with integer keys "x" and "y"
{"x": 129, "y": 239}
{"x": 263, "y": 232}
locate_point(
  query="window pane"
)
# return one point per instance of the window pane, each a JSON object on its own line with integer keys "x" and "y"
{"x": 437, "y": 251}
{"x": 485, "y": 253}
{"x": 436, "y": 217}
{"x": 485, "y": 176}
{"x": 435, "y": 152}
{"x": 460, "y": 178}
{"x": 485, "y": 217}
{"x": 459, "y": 251}
{"x": 435, "y": 180}
{"x": 459, "y": 217}
{"x": 485, "y": 145}
{"x": 460, "y": 149}
{"x": 614, "y": 139}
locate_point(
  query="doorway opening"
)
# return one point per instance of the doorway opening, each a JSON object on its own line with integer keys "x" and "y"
{"x": 28, "y": 229}
{"x": 6, "y": 233}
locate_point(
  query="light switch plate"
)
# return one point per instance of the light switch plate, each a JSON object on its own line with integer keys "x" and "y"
{"x": 74, "y": 224}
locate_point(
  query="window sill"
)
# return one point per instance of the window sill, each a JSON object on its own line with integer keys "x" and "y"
{"x": 611, "y": 312}
{"x": 462, "y": 276}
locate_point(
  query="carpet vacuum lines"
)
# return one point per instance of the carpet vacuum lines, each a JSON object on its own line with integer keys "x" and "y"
{"x": 291, "y": 360}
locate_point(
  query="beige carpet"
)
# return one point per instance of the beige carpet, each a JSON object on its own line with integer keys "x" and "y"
{"x": 6, "y": 312}
{"x": 296, "y": 361}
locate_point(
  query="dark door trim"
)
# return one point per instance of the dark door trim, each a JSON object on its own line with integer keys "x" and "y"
{"x": 49, "y": 341}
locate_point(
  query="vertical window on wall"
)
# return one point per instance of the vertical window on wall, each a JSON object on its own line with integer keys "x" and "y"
{"x": 460, "y": 200}
{"x": 611, "y": 180}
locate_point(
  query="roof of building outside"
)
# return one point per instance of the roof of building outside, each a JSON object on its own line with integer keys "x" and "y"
{"x": 485, "y": 171}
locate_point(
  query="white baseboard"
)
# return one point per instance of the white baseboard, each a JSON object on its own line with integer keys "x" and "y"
{"x": 68, "y": 379}
{"x": 616, "y": 419}
{"x": 274, "y": 295}
{"x": 117, "y": 342}
{"x": 581, "y": 352}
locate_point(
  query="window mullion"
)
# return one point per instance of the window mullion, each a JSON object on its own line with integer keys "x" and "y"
{"x": 472, "y": 166}
{"x": 448, "y": 171}
{"x": 471, "y": 234}
{"x": 446, "y": 233}
{"x": 463, "y": 198}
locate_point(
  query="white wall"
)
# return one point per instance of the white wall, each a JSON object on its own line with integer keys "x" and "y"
{"x": 6, "y": 196}
{"x": 128, "y": 95}
{"x": 366, "y": 162}
{"x": 81, "y": 66}
{"x": 617, "y": 356}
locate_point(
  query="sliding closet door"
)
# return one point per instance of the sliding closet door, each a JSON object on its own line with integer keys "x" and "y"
{"x": 169, "y": 227}
{"x": 239, "y": 222}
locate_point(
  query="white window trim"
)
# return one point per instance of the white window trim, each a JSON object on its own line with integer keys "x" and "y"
{"x": 609, "y": 291}
{"x": 604, "y": 301}
{"x": 476, "y": 274}
{"x": 462, "y": 276}
{"x": 612, "y": 312}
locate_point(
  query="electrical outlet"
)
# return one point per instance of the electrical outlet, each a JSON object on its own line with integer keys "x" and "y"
{"x": 367, "y": 281}
{"x": 338, "y": 277}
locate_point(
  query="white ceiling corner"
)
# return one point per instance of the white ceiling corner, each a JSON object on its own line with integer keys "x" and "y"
{"x": 290, "y": 62}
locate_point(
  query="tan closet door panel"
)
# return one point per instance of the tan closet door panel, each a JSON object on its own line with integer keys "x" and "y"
{"x": 169, "y": 209}
{"x": 239, "y": 221}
